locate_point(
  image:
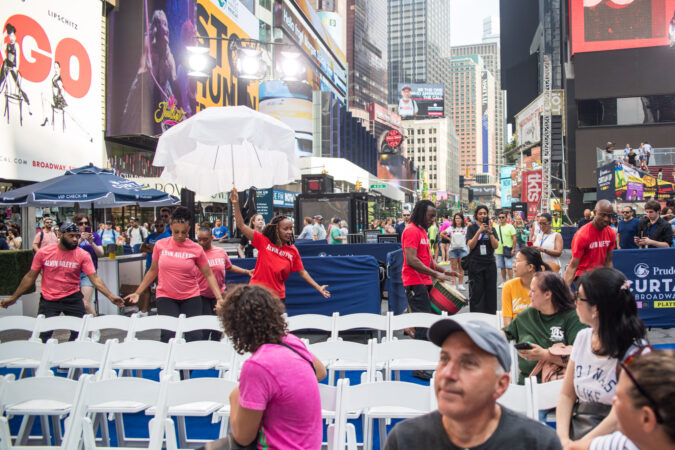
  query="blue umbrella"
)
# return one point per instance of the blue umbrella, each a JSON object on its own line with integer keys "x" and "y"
{"x": 87, "y": 186}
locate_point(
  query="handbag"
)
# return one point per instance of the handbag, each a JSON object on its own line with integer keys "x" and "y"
{"x": 552, "y": 371}
{"x": 458, "y": 241}
{"x": 506, "y": 251}
{"x": 585, "y": 417}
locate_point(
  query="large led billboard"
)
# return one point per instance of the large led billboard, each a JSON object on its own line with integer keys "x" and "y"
{"x": 600, "y": 25}
{"x": 420, "y": 101}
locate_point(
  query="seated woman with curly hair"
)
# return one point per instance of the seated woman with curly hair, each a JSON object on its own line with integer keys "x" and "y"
{"x": 277, "y": 403}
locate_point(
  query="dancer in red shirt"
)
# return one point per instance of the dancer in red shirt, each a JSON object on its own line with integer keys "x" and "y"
{"x": 277, "y": 256}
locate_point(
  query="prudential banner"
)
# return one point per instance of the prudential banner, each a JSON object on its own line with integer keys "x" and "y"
{"x": 652, "y": 276}
{"x": 50, "y": 87}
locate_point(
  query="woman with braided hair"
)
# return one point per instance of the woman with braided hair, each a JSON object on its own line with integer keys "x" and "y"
{"x": 277, "y": 256}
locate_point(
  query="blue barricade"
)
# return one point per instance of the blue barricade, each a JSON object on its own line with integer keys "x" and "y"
{"x": 353, "y": 282}
{"x": 398, "y": 301}
{"x": 567, "y": 234}
{"x": 379, "y": 251}
{"x": 652, "y": 273}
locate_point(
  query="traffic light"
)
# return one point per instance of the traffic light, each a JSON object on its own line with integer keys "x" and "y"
{"x": 358, "y": 186}
{"x": 461, "y": 181}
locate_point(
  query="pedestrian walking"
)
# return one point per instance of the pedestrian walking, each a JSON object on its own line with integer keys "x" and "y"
{"x": 482, "y": 241}
{"x": 91, "y": 243}
{"x": 46, "y": 236}
{"x": 507, "y": 243}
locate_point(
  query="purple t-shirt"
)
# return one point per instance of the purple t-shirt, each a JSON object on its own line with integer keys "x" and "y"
{"x": 275, "y": 379}
{"x": 84, "y": 245}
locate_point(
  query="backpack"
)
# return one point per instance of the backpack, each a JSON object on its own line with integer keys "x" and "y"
{"x": 42, "y": 236}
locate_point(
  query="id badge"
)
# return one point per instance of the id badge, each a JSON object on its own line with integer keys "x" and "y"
{"x": 483, "y": 249}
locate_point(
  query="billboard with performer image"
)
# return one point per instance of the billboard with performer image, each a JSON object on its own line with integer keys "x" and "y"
{"x": 420, "y": 101}
{"x": 50, "y": 85}
{"x": 601, "y": 25}
{"x": 617, "y": 180}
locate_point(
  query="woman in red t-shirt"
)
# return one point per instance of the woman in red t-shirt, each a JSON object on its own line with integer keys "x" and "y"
{"x": 277, "y": 256}
{"x": 175, "y": 261}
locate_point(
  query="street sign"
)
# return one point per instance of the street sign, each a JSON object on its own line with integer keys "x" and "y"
{"x": 378, "y": 186}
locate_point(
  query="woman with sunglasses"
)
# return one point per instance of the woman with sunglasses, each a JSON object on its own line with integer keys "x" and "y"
{"x": 548, "y": 242}
{"x": 91, "y": 243}
{"x": 606, "y": 304}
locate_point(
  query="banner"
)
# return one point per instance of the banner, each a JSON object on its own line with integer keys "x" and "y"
{"x": 506, "y": 184}
{"x": 617, "y": 180}
{"x": 532, "y": 191}
{"x": 149, "y": 89}
{"x": 420, "y": 101}
{"x": 50, "y": 80}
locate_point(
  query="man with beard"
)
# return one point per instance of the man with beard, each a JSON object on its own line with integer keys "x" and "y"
{"x": 61, "y": 265}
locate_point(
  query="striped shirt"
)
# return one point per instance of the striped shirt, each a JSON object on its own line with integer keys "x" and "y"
{"x": 614, "y": 441}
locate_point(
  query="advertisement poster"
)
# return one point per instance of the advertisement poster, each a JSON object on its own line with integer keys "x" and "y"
{"x": 484, "y": 119}
{"x": 50, "y": 85}
{"x": 600, "y": 25}
{"x": 630, "y": 184}
{"x": 532, "y": 191}
{"x": 264, "y": 203}
{"x": 420, "y": 101}
{"x": 149, "y": 89}
{"x": 290, "y": 102}
{"x": 506, "y": 184}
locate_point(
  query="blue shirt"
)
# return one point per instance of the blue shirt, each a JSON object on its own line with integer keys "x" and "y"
{"x": 151, "y": 239}
{"x": 627, "y": 231}
{"x": 109, "y": 236}
{"x": 220, "y": 232}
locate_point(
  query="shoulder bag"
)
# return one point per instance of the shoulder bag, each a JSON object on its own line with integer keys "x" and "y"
{"x": 506, "y": 250}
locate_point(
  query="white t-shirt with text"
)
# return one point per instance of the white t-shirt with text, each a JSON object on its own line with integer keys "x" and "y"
{"x": 594, "y": 376}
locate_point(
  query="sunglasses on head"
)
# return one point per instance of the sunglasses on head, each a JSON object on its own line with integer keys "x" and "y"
{"x": 623, "y": 367}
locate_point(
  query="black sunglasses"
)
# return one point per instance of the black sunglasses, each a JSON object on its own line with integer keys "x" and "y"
{"x": 83, "y": 223}
{"x": 623, "y": 366}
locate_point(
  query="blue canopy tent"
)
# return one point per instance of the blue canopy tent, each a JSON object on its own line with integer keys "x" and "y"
{"x": 88, "y": 186}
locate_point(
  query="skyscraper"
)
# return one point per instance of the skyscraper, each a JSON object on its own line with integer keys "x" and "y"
{"x": 419, "y": 43}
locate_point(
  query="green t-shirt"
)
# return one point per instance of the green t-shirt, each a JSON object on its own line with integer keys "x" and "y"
{"x": 505, "y": 237}
{"x": 334, "y": 234}
{"x": 536, "y": 328}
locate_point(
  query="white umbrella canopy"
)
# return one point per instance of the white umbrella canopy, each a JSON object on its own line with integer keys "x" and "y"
{"x": 224, "y": 147}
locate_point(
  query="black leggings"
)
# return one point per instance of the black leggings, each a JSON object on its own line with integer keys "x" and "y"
{"x": 483, "y": 288}
{"x": 171, "y": 307}
{"x": 208, "y": 306}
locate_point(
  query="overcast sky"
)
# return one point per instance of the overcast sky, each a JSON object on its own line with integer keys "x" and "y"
{"x": 466, "y": 22}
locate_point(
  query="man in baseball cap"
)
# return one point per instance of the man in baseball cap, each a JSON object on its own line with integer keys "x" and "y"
{"x": 472, "y": 373}
{"x": 318, "y": 232}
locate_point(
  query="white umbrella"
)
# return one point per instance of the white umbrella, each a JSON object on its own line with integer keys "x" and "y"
{"x": 224, "y": 147}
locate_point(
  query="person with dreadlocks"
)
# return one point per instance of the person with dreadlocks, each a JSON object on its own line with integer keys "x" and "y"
{"x": 277, "y": 256}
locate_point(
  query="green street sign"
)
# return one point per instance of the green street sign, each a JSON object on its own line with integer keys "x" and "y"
{"x": 378, "y": 186}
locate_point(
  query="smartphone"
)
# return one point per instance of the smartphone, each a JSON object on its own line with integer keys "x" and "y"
{"x": 87, "y": 229}
{"x": 523, "y": 346}
{"x": 486, "y": 220}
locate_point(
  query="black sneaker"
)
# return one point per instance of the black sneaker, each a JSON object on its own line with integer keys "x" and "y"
{"x": 423, "y": 374}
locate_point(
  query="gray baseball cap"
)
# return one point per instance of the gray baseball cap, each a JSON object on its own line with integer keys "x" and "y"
{"x": 486, "y": 337}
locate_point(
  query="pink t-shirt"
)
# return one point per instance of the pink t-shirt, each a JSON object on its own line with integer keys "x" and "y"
{"x": 177, "y": 263}
{"x": 48, "y": 238}
{"x": 219, "y": 263}
{"x": 61, "y": 270}
{"x": 445, "y": 225}
{"x": 278, "y": 381}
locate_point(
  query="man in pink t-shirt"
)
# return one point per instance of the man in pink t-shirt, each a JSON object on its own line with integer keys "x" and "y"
{"x": 61, "y": 265}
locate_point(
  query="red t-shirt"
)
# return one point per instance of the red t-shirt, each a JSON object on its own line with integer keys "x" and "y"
{"x": 274, "y": 264}
{"x": 219, "y": 263}
{"x": 177, "y": 264}
{"x": 417, "y": 238}
{"x": 61, "y": 270}
{"x": 591, "y": 245}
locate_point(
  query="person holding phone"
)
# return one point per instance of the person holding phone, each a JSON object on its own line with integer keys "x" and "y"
{"x": 91, "y": 243}
{"x": 550, "y": 320}
{"x": 482, "y": 241}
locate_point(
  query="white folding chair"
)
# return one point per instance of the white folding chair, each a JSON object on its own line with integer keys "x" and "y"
{"x": 93, "y": 327}
{"x": 362, "y": 321}
{"x": 201, "y": 355}
{"x": 405, "y": 354}
{"x": 119, "y": 396}
{"x": 490, "y": 319}
{"x": 544, "y": 395}
{"x": 515, "y": 370}
{"x": 382, "y": 400}
{"x": 44, "y": 397}
{"x": 20, "y": 323}
{"x": 341, "y": 356}
{"x": 136, "y": 355}
{"x": 24, "y": 355}
{"x": 518, "y": 397}
{"x": 50, "y": 324}
{"x": 313, "y": 322}
{"x": 195, "y": 323}
{"x": 198, "y": 397}
{"x": 146, "y": 323}
{"x": 412, "y": 320}
{"x": 75, "y": 356}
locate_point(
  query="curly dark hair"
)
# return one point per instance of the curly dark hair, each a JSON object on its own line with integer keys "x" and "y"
{"x": 252, "y": 316}
{"x": 419, "y": 213}
{"x": 181, "y": 215}
{"x": 271, "y": 230}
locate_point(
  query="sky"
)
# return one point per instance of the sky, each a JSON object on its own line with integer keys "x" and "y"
{"x": 466, "y": 21}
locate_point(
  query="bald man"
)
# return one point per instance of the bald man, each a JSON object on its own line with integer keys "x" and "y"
{"x": 593, "y": 243}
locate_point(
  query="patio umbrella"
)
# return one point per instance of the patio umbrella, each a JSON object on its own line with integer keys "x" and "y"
{"x": 89, "y": 186}
{"x": 224, "y": 147}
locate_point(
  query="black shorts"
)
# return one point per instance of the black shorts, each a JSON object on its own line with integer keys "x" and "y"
{"x": 71, "y": 305}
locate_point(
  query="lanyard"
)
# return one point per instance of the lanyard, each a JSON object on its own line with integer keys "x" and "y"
{"x": 650, "y": 231}
{"x": 543, "y": 239}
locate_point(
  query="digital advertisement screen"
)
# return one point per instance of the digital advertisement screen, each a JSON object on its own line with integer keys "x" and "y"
{"x": 601, "y": 25}
{"x": 420, "y": 101}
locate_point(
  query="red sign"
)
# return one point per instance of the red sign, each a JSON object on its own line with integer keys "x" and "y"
{"x": 393, "y": 138}
{"x": 532, "y": 190}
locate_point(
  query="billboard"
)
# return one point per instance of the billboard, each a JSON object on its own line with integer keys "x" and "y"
{"x": 505, "y": 174}
{"x": 528, "y": 120}
{"x": 532, "y": 190}
{"x": 148, "y": 84}
{"x": 50, "y": 79}
{"x": 420, "y": 101}
{"x": 616, "y": 180}
{"x": 290, "y": 102}
{"x": 601, "y": 25}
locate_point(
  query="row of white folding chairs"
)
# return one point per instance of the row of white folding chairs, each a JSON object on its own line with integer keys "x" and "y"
{"x": 89, "y": 327}
{"x": 386, "y": 324}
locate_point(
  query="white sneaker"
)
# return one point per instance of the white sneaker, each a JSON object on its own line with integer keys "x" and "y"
{"x": 461, "y": 287}
{"x": 500, "y": 286}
